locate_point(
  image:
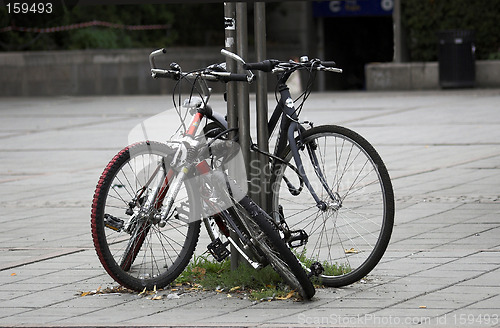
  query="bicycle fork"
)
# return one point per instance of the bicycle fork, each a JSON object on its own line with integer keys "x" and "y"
{"x": 291, "y": 120}
{"x": 294, "y": 126}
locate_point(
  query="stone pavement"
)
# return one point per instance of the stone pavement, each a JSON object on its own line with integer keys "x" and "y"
{"x": 442, "y": 267}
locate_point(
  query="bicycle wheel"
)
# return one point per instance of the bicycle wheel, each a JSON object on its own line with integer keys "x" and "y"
{"x": 266, "y": 239}
{"x": 350, "y": 236}
{"x": 132, "y": 246}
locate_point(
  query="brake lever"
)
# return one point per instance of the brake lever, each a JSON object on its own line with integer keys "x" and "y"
{"x": 250, "y": 75}
{"x": 333, "y": 69}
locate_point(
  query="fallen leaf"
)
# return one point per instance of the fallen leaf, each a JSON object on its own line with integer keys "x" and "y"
{"x": 351, "y": 251}
{"x": 200, "y": 271}
{"x": 287, "y": 297}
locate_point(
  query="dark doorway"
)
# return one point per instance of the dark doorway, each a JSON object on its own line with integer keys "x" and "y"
{"x": 353, "y": 42}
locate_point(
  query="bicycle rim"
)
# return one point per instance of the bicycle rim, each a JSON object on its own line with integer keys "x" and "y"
{"x": 351, "y": 235}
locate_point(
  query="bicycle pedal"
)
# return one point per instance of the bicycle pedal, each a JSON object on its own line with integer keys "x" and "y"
{"x": 218, "y": 249}
{"x": 316, "y": 269}
{"x": 297, "y": 238}
{"x": 113, "y": 223}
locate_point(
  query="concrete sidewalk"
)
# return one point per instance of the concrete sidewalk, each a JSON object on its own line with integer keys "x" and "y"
{"x": 442, "y": 266}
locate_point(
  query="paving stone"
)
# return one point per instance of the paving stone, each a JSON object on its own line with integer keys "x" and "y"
{"x": 442, "y": 156}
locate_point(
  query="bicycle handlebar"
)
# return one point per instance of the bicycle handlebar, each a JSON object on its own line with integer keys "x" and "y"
{"x": 208, "y": 74}
{"x": 268, "y": 65}
{"x": 273, "y": 65}
{"x": 155, "y": 54}
{"x": 328, "y": 63}
{"x": 264, "y": 66}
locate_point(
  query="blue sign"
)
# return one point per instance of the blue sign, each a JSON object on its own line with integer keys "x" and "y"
{"x": 343, "y": 8}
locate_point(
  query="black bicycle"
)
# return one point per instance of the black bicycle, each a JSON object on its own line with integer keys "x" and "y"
{"x": 340, "y": 224}
{"x": 335, "y": 206}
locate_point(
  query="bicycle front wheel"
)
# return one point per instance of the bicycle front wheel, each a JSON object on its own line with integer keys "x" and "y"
{"x": 134, "y": 248}
{"x": 349, "y": 235}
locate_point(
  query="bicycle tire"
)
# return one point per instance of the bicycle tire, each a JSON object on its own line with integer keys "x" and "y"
{"x": 351, "y": 236}
{"x": 264, "y": 235}
{"x": 158, "y": 254}
{"x": 275, "y": 249}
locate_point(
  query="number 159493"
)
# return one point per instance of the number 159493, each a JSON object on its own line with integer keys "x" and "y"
{"x": 29, "y": 8}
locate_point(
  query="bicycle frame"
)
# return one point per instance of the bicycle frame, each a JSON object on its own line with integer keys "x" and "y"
{"x": 289, "y": 125}
{"x": 168, "y": 190}
{"x": 285, "y": 109}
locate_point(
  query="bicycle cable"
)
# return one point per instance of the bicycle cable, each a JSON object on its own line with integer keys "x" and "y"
{"x": 193, "y": 88}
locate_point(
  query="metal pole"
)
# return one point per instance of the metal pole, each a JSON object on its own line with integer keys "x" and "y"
{"x": 321, "y": 51}
{"x": 243, "y": 102}
{"x": 261, "y": 100}
{"x": 230, "y": 45}
{"x": 400, "y": 54}
{"x": 232, "y": 113}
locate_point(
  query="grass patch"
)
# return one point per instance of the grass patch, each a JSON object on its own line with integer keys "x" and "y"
{"x": 330, "y": 269}
{"x": 262, "y": 284}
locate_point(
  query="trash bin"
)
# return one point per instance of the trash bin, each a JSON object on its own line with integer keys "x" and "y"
{"x": 457, "y": 65}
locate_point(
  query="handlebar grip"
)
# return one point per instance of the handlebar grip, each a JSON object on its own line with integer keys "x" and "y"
{"x": 229, "y": 77}
{"x": 328, "y": 63}
{"x": 265, "y": 65}
{"x": 159, "y": 52}
{"x": 162, "y": 73}
{"x": 238, "y": 77}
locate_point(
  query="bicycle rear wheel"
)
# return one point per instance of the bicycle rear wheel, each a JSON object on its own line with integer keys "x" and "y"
{"x": 350, "y": 236}
{"x": 132, "y": 246}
